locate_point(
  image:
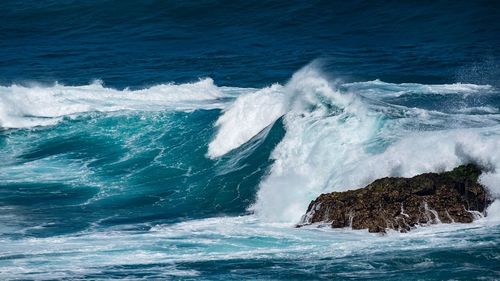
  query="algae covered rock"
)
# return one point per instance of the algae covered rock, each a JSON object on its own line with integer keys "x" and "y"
{"x": 403, "y": 203}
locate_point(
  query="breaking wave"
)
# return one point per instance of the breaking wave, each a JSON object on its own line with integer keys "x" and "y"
{"x": 22, "y": 107}
{"x": 343, "y": 136}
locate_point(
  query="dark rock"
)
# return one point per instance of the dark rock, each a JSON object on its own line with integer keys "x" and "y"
{"x": 403, "y": 203}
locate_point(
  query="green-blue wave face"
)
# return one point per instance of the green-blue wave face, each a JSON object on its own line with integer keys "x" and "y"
{"x": 126, "y": 168}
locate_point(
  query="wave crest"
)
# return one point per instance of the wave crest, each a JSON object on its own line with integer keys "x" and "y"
{"x": 22, "y": 107}
{"x": 341, "y": 136}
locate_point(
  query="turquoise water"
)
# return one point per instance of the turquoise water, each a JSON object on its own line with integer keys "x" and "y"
{"x": 182, "y": 141}
{"x": 212, "y": 189}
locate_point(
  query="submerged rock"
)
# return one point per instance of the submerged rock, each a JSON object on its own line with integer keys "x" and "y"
{"x": 403, "y": 203}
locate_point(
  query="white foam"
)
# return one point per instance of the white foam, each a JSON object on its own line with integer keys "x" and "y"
{"x": 246, "y": 117}
{"x": 162, "y": 249}
{"x": 479, "y": 110}
{"x": 252, "y": 112}
{"x": 22, "y": 107}
{"x": 323, "y": 127}
{"x": 337, "y": 140}
{"x": 493, "y": 212}
{"x": 307, "y": 166}
{"x": 379, "y": 89}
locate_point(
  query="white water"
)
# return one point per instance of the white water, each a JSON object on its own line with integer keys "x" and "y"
{"x": 378, "y": 89}
{"x": 226, "y": 239}
{"x": 338, "y": 136}
{"x": 22, "y": 107}
{"x": 337, "y": 140}
{"x": 246, "y": 117}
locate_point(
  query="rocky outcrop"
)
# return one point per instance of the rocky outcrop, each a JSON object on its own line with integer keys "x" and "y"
{"x": 403, "y": 203}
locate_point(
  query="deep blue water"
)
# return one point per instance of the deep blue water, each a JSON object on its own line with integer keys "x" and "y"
{"x": 138, "y": 43}
{"x": 181, "y": 140}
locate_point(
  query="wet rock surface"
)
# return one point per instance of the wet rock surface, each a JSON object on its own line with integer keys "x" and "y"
{"x": 404, "y": 203}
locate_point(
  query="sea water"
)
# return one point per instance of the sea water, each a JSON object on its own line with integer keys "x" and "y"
{"x": 174, "y": 140}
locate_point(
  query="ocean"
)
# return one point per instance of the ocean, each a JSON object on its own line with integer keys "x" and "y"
{"x": 179, "y": 140}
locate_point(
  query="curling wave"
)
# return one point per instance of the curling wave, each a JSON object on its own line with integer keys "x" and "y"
{"x": 342, "y": 136}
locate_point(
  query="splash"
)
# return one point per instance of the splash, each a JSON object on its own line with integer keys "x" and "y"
{"x": 343, "y": 136}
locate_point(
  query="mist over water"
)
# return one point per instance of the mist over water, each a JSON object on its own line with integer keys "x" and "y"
{"x": 171, "y": 140}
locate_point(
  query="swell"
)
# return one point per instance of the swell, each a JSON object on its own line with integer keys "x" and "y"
{"x": 130, "y": 43}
